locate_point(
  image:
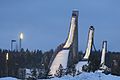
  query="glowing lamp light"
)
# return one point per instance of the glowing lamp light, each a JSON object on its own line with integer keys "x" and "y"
{"x": 21, "y": 36}
{"x": 7, "y": 56}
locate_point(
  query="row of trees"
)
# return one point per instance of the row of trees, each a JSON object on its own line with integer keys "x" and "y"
{"x": 23, "y": 59}
{"x": 41, "y": 60}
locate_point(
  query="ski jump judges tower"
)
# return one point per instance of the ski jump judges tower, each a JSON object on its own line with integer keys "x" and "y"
{"x": 66, "y": 56}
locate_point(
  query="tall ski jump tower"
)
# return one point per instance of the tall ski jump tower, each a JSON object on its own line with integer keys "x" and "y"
{"x": 67, "y": 55}
{"x": 89, "y": 43}
{"x": 104, "y": 51}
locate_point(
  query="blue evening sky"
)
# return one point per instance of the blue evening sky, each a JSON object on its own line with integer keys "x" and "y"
{"x": 45, "y": 23}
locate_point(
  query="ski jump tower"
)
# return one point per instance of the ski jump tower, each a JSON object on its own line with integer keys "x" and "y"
{"x": 67, "y": 55}
{"x": 90, "y": 43}
{"x": 104, "y": 51}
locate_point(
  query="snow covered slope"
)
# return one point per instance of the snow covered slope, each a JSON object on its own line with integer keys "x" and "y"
{"x": 61, "y": 58}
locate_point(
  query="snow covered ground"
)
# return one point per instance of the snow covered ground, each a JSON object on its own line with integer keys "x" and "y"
{"x": 83, "y": 76}
{"x": 89, "y": 76}
{"x": 80, "y": 65}
{"x": 8, "y": 78}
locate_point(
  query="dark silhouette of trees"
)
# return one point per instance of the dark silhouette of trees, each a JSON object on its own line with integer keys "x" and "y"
{"x": 94, "y": 61}
{"x": 41, "y": 60}
{"x": 23, "y": 59}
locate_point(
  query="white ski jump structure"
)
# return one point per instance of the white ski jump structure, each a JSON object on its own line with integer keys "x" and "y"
{"x": 89, "y": 43}
{"x": 69, "y": 49}
{"x": 66, "y": 56}
{"x": 88, "y": 50}
{"x": 104, "y": 51}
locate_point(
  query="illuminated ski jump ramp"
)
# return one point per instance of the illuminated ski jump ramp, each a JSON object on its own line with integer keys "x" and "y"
{"x": 69, "y": 50}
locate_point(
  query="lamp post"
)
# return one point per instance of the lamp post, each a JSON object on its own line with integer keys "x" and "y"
{"x": 21, "y": 38}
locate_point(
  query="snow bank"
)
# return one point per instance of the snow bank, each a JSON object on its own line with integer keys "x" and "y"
{"x": 80, "y": 65}
{"x": 89, "y": 76}
{"x": 83, "y": 76}
{"x": 8, "y": 78}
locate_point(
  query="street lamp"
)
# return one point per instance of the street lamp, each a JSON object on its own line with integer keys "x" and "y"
{"x": 21, "y": 36}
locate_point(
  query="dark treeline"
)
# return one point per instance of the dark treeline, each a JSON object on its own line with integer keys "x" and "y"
{"x": 38, "y": 59}
{"x": 23, "y": 59}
